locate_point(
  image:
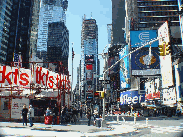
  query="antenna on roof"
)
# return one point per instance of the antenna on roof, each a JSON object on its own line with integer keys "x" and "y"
{"x": 91, "y": 15}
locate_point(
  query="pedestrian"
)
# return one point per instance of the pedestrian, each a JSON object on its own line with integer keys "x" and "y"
{"x": 95, "y": 115}
{"x": 31, "y": 115}
{"x": 48, "y": 112}
{"x": 89, "y": 116}
{"x": 81, "y": 113}
{"x": 75, "y": 115}
{"x": 55, "y": 114}
{"x": 24, "y": 114}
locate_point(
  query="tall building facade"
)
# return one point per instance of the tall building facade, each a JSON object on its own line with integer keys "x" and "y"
{"x": 118, "y": 21}
{"x": 89, "y": 58}
{"x": 58, "y": 45}
{"x": 22, "y": 29}
{"x": 5, "y": 15}
{"x": 50, "y": 11}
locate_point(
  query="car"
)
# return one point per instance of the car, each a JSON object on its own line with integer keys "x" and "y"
{"x": 116, "y": 111}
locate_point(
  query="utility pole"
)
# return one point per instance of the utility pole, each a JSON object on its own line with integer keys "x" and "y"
{"x": 72, "y": 71}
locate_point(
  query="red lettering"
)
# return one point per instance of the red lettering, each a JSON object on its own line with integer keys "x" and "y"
{"x": 57, "y": 82}
{"x": 24, "y": 79}
{"x": 51, "y": 84}
{"x": 15, "y": 76}
{"x": 6, "y": 76}
{"x": 38, "y": 74}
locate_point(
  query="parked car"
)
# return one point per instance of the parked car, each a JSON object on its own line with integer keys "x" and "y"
{"x": 116, "y": 111}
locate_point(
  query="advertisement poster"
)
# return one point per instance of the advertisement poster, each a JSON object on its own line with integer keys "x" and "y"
{"x": 179, "y": 80}
{"x": 152, "y": 89}
{"x": 131, "y": 97}
{"x": 111, "y": 62}
{"x": 169, "y": 96}
{"x": 142, "y": 37}
{"x": 163, "y": 33}
{"x": 17, "y": 106}
{"x": 143, "y": 64}
{"x": 166, "y": 71}
{"x": 124, "y": 69}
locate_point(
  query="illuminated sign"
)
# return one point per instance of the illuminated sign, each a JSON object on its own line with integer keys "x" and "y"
{"x": 37, "y": 75}
{"x": 142, "y": 37}
{"x": 124, "y": 69}
{"x": 129, "y": 97}
{"x": 143, "y": 64}
{"x": 163, "y": 33}
{"x": 166, "y": 71}
{"x": 169, "y": 96}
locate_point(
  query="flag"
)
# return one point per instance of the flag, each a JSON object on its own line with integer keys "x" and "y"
{"x": 17, "y": 59}
{"x": 72, "y": 53}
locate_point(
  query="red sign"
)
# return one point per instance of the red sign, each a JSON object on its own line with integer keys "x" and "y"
{"x": 41, "y": 76}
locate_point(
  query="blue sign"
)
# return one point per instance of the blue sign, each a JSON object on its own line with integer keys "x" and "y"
{"x": 131, "y": 97}
{"x": 124, "y": 69}
{"x": 140, "y": 59}
{"x": 142, "y": 37}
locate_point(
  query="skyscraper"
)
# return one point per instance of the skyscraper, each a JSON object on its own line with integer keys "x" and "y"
{"x": 58, "y": 44}
{"x": 50, "y": 11}
{"x": 5, "y": 14}
{"x": 22, "y": 29}
{"x": 89, "y": 56}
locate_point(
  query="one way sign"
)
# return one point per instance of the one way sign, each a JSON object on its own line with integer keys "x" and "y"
{"x": 104, "y": 82}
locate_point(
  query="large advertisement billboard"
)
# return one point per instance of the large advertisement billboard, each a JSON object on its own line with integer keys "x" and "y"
{"x": 111, "y": 61}
{"x": 124, "y": 69}
{"x": 131, "y": 97}
{"x": 166, "y": 71}
{"x": 89, "y": 59}
{"x": 139, "y": 38}
{"x": 169, "y": 96}
{"x": 179, "y": 80}
{"x": 142, "y": 64}
{"x": 163, "y": 33}
{"x": 152, "y": 89}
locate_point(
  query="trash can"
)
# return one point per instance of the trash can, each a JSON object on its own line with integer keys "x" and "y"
{"x": 48, "y": 119}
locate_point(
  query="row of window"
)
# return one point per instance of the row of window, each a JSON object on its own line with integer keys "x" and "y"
{"x": 145, "y": 3}
{"x": 157, "y": 19}
{"x": 159, "y": 8}
{"x": 149, "y": 24}
{"x": 170, "y": 14}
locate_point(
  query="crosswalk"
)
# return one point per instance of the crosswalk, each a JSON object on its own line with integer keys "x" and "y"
{"x": 170, "y": 129}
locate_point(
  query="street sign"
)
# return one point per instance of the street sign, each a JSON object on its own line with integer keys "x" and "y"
{"x": 97, "y": 76}
{"x": 104, "y": 82}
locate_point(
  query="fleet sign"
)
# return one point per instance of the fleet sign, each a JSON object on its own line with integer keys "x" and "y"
{"x": 12, "y": 76}
{"x": 129, "y": 97}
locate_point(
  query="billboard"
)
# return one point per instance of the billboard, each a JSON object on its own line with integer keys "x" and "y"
{"x": 89, "y": 59}
{"x": 142, "y": 37}
{"x": 129, "y": 97}
{"x": 89, "y": 66}
{"x": 166, "y": 71}
{"x": 143, "y": 64}
{"x": 124, "y": 69}
{"x": 111, "y": 61}
{"x": 169, "y": 96}
{"x": 152, "y": 89}
{"x": 163, "y": 33}
{"x": 179, "y": 80}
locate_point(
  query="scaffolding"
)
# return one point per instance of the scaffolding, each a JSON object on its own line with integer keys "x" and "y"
{"x": 14, "y": 90}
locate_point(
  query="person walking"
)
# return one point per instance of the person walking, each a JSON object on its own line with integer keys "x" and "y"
{"x": 81, "y": 112}
{"x": 75, "y": 115}
{"x": 31, "y": 115}
{"x": 95, "y": 115}
{"x": 89, "y": 116}
{"x": 24, "y": 114}
{"x": 55, "y": 114}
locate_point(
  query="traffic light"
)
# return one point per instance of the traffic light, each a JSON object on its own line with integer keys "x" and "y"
{"x": 167, "y": 49}
{"x": 102, "y": 94}
{"x": 162, "y": 49}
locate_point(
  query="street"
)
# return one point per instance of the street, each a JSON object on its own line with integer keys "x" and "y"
{"x": 170, "y": 127}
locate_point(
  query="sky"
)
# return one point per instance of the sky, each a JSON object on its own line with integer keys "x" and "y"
{"x": 101, "y": 11}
